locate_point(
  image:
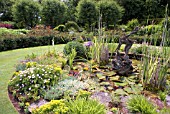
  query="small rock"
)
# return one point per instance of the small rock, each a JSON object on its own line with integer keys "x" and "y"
{"x": 168, "y": 100}
{"x": 36, "y": 104}
{"x": 103, "y": 97}
{"x": 109, "y": 112}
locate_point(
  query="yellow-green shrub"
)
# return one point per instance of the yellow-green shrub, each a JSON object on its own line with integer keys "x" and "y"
{"x": 53, "y": 107}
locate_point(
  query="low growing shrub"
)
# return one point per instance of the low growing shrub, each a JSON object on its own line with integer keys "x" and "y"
{"x": 68, "y": 86}
{"x": 80, "y": 49}
{"x": 31, "y": 82}
{"x": 132, "y": 24}
{"x": 53, "y": 107}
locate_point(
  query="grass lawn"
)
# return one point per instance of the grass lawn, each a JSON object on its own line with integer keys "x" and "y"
{"x": 8, "y": 59}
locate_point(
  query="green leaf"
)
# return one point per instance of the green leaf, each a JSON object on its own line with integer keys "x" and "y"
{"x": 120, "y": 92}
{"x": 115, "y": 78}
{"x": 121, "y": 83}
{"x": 100, "y": 76}
{"x": 128, "y": 90}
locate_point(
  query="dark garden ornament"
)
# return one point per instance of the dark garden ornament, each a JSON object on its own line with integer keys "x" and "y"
{"x": 122, "y": 64}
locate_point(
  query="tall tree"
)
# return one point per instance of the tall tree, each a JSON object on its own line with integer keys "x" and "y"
{"x": 71, "y": 11}
{"x": 154, "y": 9}
{"x": 6, "y": 10}
{"x": 26, "y": 13}
{"x": 87, "y": 13}
{"x": 133, "y": 9}
{"x": 111, "y": 12}
{"x": 53, "y": 12}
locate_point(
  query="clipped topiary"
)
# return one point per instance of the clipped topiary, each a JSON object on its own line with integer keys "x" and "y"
{"x": 71, "y": 24}
{"x": 60, "y": 28}
{"x": 80, "y": 49}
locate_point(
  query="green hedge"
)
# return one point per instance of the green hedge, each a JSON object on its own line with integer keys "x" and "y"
{"x": 24, "y": 42}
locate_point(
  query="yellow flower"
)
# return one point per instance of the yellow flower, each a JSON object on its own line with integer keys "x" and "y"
{"x": 27, "y": 104}
{"x": 85, "y": 68}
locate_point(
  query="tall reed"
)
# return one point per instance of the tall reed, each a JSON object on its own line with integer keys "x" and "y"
{"x": 154, "y": 66}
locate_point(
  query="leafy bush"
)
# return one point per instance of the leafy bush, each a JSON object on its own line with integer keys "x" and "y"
{"x": 68, "y": 86}
{"x": 132, "y": 24}
{"x": 85, "y": 106}
{"x": 60, "y": 28}
{"x": 53, "y": 107}
{"x": 32, "y": 81}
{"x": 80, "y": 49}
{"x": 152, "y": 29}
{"x": 138, "y": 49}
{"x": 71, "y": 24}
{"x": 139, "y": 103}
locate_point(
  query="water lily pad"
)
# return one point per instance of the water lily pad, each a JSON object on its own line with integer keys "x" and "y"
{"x": 100, "y": 76}
{"x": 128, "y": 90}
{"x": 121, "y": 83}
{"x": 111, "y": 73}
{"x": 104, "y": 83}
{"x": 120, "y": 92}
{"x": 115, "y": 78}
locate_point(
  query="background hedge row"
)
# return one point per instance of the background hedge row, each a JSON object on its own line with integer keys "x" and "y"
{"x": 24, "y": 42}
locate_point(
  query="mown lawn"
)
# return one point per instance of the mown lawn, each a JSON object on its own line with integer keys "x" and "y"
{"x": 8, "y": 60}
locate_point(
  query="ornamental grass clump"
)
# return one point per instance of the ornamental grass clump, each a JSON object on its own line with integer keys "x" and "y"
{"x": 53, "y": 107}
{"x": 31, "y": 82}
{"x": 140, "y": 104}
{"x": 85, "y": 106}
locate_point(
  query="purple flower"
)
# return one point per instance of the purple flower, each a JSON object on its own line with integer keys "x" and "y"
{"x": 88, "y": 44}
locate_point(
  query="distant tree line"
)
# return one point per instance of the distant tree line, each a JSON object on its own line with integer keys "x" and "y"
{"x": 29, "y": 13}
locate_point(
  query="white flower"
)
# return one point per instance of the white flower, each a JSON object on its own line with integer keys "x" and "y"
{"x": 22, "y": 85}
{"x": 29, "y": 88}
{"x": 33, "y": 76}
